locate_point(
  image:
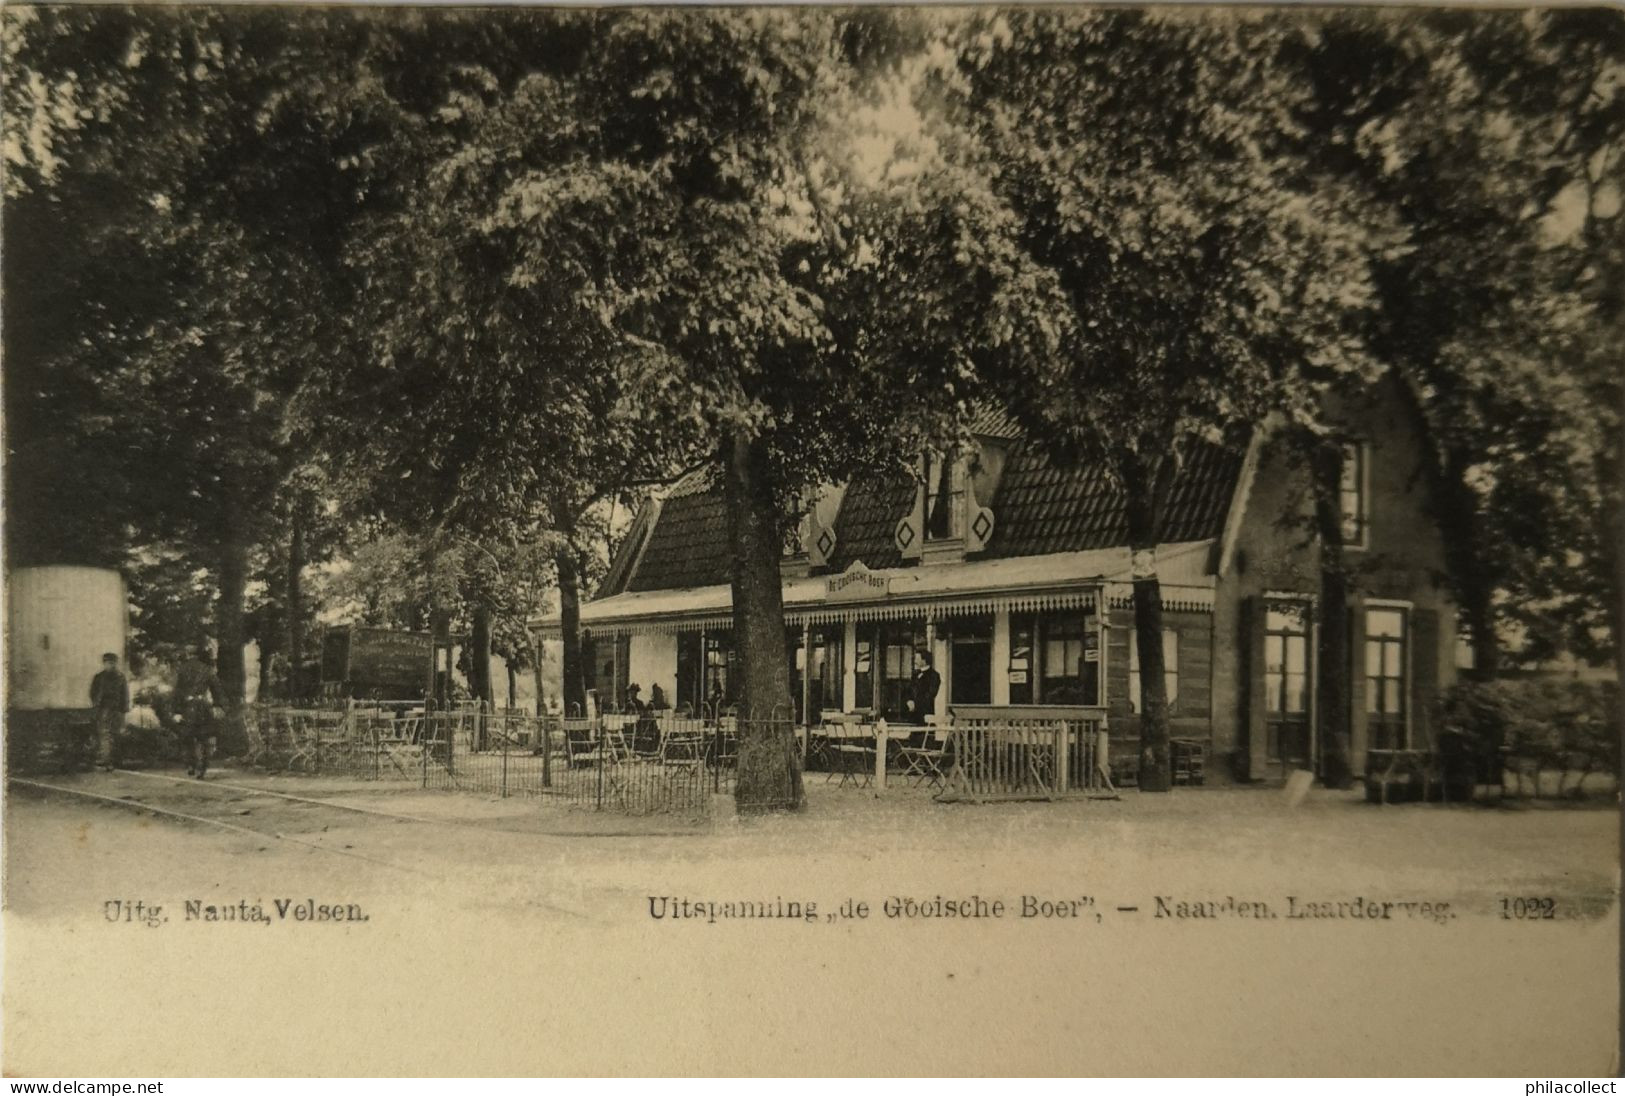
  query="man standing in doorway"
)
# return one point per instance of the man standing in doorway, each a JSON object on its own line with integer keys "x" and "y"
{"x": 110, "y": 696}
{"x": 922, "y": 690}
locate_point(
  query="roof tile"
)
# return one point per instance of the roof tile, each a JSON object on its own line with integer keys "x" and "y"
{"x": 1039, "y": 508}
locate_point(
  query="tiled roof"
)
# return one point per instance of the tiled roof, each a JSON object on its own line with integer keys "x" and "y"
{"x": 1039, "y": 509}
{"x": 689, "y": 544}
{"x": 992, "y": 421}
{"x": 692, "y": 483}
{"x": 867, "y": 521}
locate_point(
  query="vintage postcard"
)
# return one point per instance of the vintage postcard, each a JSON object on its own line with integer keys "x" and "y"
{"x": 812, "y": 541}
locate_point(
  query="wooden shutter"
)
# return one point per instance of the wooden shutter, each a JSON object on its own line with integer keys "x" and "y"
{"x": 1424, "y": 659}
{"x": 1253, "y": 701}
{"x": 1358, "y": 730}
{"x": 909, "y": 533}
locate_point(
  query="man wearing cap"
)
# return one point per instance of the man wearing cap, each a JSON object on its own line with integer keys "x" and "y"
{"x": 110, "y": 696}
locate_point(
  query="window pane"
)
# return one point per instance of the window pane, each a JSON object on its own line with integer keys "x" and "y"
{"x": 1390, "y": 659}
{"x": 944, "y": 495}
{"x": 1295, "y": 692}
{"x": 1373, "y": 659}
{"x": 1390, "y": 698}
{"x": 1272, "y": 692}
{"x": 1285, "y": 617}
{"x": 1170, "y": 685}
{"x": 1384, "y": 622}
{"x": 1068, "y": 625}
{"x": 1350, "y": 480}
{"x": 1055, "y": 660}
{"x": 1297, "y": 649}
{"x": 1274, "y": 654}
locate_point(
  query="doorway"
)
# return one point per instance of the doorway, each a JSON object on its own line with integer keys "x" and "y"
{"x": 1288, "y": 730}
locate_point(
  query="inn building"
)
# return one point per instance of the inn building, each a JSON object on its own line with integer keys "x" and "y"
{"x": 1015, "y": 574}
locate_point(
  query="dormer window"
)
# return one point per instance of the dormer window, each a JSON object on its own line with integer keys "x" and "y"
{"x": 948, "y": 520}
{"x": 944, "y": 498}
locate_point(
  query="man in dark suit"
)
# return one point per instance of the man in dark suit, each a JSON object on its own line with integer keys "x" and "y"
{"x": 110, "y": 696}
{"x": 922, "y": 690}
{"x": 200, "y": 701}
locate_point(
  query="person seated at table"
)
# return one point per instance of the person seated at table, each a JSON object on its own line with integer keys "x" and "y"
{"x": 922, "y": 689}
{"x": 645, "y": 732}
{"x": 657, "y": 698}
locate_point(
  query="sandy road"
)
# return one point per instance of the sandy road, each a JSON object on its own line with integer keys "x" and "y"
{"x": 220, "y": 805}
{"x": 523, "y": 941}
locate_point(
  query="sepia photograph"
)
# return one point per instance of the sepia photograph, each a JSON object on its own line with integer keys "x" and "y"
{"x": 812, "y": 541}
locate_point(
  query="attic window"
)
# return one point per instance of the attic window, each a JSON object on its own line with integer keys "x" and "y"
{"x": 944, "y": 499}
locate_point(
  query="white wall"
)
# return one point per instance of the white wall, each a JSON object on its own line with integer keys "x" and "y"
{"x": 654, "y": 662}
{"x": 60, "y": 621}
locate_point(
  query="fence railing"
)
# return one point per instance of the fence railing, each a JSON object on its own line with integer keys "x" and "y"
{"x": 658, "y": 762}
{"x": 625, "y": 763}
{"x": 1015, "y": 759}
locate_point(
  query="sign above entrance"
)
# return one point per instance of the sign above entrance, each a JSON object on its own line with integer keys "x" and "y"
{"x": 856, "y": 583}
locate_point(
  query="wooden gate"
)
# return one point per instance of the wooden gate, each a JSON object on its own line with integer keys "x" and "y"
{"x": 1010, "y": 760}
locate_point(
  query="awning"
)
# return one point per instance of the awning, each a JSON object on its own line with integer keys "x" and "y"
{"x": 1063, "y": 580}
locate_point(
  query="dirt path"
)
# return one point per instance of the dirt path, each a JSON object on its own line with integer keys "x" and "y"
{"x": 523, "y": 941}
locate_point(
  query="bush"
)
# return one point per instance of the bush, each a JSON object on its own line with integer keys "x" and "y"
{"x": 1547, "y": 724}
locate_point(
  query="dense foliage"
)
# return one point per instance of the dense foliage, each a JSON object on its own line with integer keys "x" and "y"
{"x": 280, "y": 285}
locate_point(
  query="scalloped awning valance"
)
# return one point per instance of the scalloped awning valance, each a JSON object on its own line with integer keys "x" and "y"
{"x": 1070, "y": 580}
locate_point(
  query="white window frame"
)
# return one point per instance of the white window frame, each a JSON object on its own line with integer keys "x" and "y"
{"x": 1361, "y": 451}
{"x": 959, "y": 473}
{"x": 1408, "y": 608}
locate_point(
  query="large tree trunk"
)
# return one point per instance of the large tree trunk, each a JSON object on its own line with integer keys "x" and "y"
{"x": 479, "y": 671}
{"x": 572, "y": 663}
{"x": 544, "y": 732}
{"x": 1610, "y": 467}
{"x": 228, "y": 616}
{"x": 1332, "y": 661}
{"x": 479, "y": 676}
{"x": 267, "y": 655}
{"x": 1147, "y": 489}
{"x": 294, "y": 597}
{"x": 1469, "y": 566}
{"x": 440, "y": 639}
{"x": 769, "y": 764}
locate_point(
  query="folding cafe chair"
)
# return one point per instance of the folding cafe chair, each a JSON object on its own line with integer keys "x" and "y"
{"x": 925, "y": 756}
{"x": 852, "y": 754}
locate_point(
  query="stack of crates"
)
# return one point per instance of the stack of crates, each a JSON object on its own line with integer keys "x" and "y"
{"x": 1190, "y": 760}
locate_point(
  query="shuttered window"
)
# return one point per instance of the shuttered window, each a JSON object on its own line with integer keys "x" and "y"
{"x": 1385, "y": 677}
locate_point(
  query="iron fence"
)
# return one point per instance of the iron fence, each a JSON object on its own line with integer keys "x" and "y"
{"x": 628, "y": 763}
{"x": 642, "y": 763}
